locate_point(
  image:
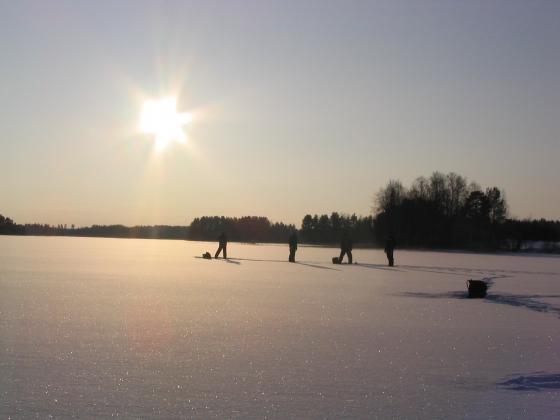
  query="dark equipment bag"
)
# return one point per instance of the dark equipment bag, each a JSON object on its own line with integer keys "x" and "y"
{"x": 477, "y": 288}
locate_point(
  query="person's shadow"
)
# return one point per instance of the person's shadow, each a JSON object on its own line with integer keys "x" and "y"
{"x": 228, "y": 260}
{"x": 284, "y": 261}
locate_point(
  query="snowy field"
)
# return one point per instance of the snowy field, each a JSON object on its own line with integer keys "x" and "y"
{"x": 143, "y": 329}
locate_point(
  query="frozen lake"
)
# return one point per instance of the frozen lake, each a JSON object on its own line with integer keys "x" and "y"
{"x": 142, "y": 329}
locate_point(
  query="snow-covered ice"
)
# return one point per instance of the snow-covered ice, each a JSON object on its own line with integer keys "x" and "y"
{"x": 143, "y": 329}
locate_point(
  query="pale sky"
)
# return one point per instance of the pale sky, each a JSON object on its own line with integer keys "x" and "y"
{"x": 299, "y": 106}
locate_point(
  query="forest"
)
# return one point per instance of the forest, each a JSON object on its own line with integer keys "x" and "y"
{"x": 447, "y": 211}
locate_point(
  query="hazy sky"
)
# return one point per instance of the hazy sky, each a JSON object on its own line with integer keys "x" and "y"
{"x": 299, "y": 107}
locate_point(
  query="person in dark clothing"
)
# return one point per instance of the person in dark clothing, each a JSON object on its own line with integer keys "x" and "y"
{"x": 292, "y": 241}
{"x": 223, "y": 245}
{"x": 389, "y": 248}
{"x": 345, "y": 248}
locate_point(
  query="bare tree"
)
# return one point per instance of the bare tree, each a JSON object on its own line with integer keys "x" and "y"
{"x": 439, "y": 193}
{"x": 457, "y": 193}
{"x": 420, "y": 189}
{"x": 390, "y": 197}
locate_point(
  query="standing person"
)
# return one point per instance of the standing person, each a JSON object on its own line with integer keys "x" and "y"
{"x": 345, "y": 247}
{"x": 223, "y": 245}
{"x": 292, "y": 241}
{"x": 389, "y": 248}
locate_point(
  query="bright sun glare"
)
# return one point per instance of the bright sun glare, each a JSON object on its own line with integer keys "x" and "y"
{"x": 161, "y": 119}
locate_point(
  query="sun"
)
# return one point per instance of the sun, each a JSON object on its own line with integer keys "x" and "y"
{"x": 161, "y": 119}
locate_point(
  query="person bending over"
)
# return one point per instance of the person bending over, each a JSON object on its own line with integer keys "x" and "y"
{"x": 345, "y": 248}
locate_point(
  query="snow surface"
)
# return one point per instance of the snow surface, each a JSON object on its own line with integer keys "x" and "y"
{"x": 143, "y": 329}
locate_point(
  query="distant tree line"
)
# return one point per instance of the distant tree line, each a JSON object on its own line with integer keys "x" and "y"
{"x": 517, "y": 235}
{"x": 326, "y": 229}
{"x": 243, "y": 229}
{"x": 106, "y": 231}
{"x": 447, "y": 211}
{"x": 8, "y": 227}
{"x": 442, "y": 211}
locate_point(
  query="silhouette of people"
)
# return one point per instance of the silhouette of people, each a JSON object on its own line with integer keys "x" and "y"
{"x": 223, "y": 245}
{"x": 345, "y": 247}
{"x": 389, "y": 248}
{"x": 292, "y": 241}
